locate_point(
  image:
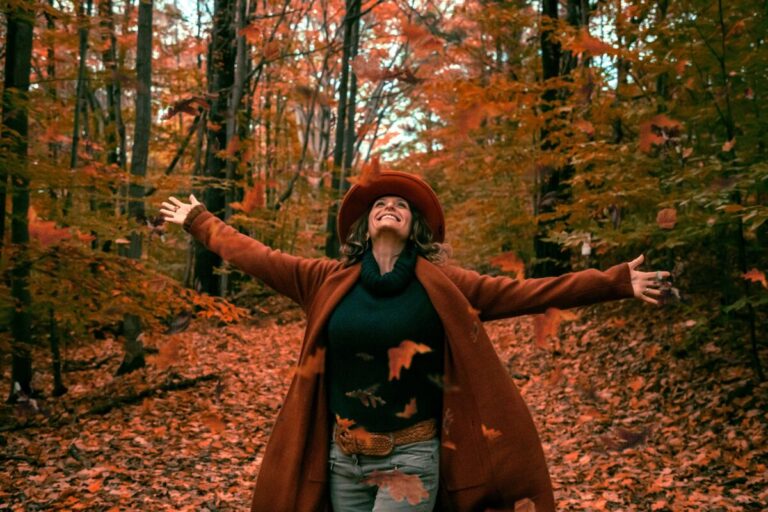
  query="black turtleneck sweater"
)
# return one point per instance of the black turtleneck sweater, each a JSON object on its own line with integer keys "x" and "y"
{"x": 376, "y": 315}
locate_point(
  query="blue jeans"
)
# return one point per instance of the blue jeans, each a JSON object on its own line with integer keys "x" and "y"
{"x": 349, "y": 492}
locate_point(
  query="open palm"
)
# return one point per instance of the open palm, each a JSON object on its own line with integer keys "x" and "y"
{"x": 177, "y": 211}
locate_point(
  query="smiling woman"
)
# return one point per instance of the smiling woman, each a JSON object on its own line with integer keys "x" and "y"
{"x": 399, "y": 401}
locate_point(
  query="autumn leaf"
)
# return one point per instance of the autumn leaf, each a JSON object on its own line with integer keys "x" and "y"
{"x": 756, "y": 276}
{"x": 168, "y": 353}
{"x": 213, "y": 421}
{"x": 728, "y": 145}
{"x": 400, "y": 357}
{"x": 509, "y": 262}
{"x": 314, "y": 365}
{"x": 400, "y": 485}
{"x": 366, "y": 396}
{"x": 666, "y": 218}
{"x": 490, "y": 433}
{"x": 547, "y": 324}
{"x": 410, "y": 409}
{"x": 45, "y": 231}
{"x": 370, "y": 172}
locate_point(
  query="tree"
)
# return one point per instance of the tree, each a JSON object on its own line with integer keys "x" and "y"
{"x": 14, "y": 133}
{"x": 134, "y": 348}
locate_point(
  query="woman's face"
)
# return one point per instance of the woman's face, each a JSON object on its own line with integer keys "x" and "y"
{"x": 390, "y": 214}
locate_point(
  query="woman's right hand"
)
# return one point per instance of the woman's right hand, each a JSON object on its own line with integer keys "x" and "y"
{"x": 177, "y": 211}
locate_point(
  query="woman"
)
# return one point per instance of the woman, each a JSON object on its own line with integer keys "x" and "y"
{"x": 397, "y": 376}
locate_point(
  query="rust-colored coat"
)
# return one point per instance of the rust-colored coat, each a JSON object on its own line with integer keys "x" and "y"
{"x": 475, "y": 472}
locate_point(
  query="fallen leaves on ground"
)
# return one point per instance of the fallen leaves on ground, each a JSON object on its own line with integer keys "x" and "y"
{"x": 626, "y": 426}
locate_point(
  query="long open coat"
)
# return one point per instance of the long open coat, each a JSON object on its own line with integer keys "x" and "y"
{"x": 476, "y": 471}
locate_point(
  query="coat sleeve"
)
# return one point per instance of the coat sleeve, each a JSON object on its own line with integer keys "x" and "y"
{"x": 502, "y": 297}
{"x": 295, "y": 277}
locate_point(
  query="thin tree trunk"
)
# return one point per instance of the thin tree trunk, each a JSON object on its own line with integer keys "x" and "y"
{"x": 134, "y": 349}
{"x": 332, "y": 242}
{"x": 221, "y": 67}
{"x": 14, "y": 134}
{"x": 83, "y": 18}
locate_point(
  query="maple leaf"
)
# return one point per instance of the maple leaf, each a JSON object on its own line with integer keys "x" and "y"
{"x": 755, "y": 276}
{"x": 400, "y": 485}
{"x": 410, "y": 409}
{"x": 400, "y": 357}
{"x": 366, "y": 396}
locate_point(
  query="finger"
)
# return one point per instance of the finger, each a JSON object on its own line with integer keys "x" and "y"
{"x": 637, "y": 261}
{"x": 652, "y": 291}
{"x": 168, "y": 206}
{"x": 176, "y": 201}
{"x": 649, "y": 300}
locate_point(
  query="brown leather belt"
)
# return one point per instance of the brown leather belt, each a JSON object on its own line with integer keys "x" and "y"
{"x": 361, "y": 442}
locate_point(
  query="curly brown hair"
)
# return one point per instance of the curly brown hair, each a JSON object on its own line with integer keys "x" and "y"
{"x": 357, "y": 241}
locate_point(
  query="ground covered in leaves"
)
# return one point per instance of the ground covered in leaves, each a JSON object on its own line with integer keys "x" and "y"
{"x": 628, "y": 420}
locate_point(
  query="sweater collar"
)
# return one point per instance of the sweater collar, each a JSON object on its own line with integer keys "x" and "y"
{"x": 394, "y": 280}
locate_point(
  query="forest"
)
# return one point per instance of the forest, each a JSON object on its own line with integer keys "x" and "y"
{"x": 140, "y": 370}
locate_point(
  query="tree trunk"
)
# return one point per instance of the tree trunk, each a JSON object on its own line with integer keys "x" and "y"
{"x": 14, "y": 130}
{"x": 221, "y": 68}
{"x": 332, "y": 242}
{"x": 134, "y": 349}
{"x": 553, "y": 188}
{"x": 83, "y": 16}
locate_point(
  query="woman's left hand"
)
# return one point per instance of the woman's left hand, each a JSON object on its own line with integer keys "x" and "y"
{"x": 646, "y": 283}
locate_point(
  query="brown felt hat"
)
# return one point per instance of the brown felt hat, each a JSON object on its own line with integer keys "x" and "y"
{"x": 395, "y": 183}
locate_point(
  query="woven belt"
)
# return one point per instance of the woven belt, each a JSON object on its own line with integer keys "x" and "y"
{"x": 361, "y": 442}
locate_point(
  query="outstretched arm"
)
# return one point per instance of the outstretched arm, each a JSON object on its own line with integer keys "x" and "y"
{"x": 501, "y": 296}
{"x": 292, "y": 276}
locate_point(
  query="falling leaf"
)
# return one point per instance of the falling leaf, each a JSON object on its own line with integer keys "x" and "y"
{"x": 584, "y": 126}
{"x": 728, "y": 145}
{"x": 213, "y": 422}
{"x": 400, "y": 357}
{"x": 400, "y": 485}
{"x": 509, "y": 262}
{"x": 756, "y": 276}
{"x": 366, "y": 396}
{"x": 666, "y": 218}
{"x": 490, "y": 433}
{"x": 314, "y": 365}
{"x": 410, "y": 409}
{"x": 370, "y": 172}
{"x": 169, "y": 353}
{"x": 547, "y": 324}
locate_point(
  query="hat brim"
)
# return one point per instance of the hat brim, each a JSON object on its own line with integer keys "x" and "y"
{"x": 418, "y": 193}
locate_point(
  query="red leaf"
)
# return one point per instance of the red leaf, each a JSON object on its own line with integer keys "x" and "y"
{"x": 400, "y": 486}
{"x": 509, "y": 262}
{"x": 755, "y": 276}
{"x": 490, "y": 433}
{"x": 400, "y": 357}
{"x": 410, "y": 409}
{"x": 666, "y": 218}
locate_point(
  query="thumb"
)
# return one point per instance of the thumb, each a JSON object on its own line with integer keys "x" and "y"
{"x": 193, "y": 199}
{"x": 636, "y": 262}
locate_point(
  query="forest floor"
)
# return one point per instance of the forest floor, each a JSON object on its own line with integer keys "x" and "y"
{"x": 628, "y": 421}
